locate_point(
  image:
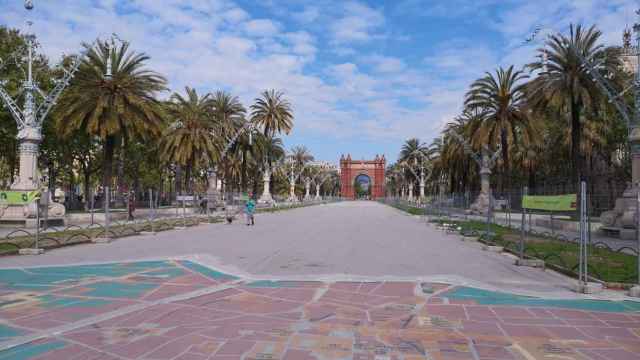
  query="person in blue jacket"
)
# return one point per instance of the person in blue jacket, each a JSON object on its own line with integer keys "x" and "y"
{"x": 249, "y": 210}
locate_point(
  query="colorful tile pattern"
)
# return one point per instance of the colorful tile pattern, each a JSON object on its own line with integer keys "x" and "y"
{"x": 295, "y": 319}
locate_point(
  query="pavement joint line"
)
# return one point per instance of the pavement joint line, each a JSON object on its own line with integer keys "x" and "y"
{"x": 56, "y": 331}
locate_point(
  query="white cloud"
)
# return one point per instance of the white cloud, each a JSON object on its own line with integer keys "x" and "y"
{"x": 341, "y": 82}
{"x": 308, "y": 15}
{"x": 358, "y": 23}
{"x": 386, "y": 64}
{"x": 261, "y": 28}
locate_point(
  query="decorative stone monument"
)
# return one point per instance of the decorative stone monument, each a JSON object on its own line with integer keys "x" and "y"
{"x": 266, "y": 197}
{"x": 485, "y": 160}
{"x": 623, "y": 219}
{"x": 307, "y": 188}
{"x": 623, "y": 216}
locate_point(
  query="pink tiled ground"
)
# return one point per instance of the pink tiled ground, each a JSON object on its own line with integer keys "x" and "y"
{"x": 312, "y": 320}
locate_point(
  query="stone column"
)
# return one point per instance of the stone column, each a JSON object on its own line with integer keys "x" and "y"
{"x": 266, "y": 193}
{"x": 212, "y": 190}
{"x": 410, "y": 197}
{"x": 634, "y": 144}
{"x": 485, "y": 176}
{"x": 29, "y": 138}
{"x": 422, "y": 185}
{"x": 292, "y": 192}
{"x": 307, "y": 188}
{"x": 318, "y": 192}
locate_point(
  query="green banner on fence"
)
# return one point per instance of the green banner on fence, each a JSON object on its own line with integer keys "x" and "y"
{"x": 19, "y": 197}
{"x": 550, "y": 203}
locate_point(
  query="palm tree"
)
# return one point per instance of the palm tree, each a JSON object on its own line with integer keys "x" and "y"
{"x": 301, "y": 155}
{"x": 565, "y": 81}
{"x": 501, "y": 99}
{"x": 411, "y": 150}
{"x": 188, "y": 140}
{"x": 228, "y": 113}
{"x": 273, "y": 112}
{"x": 114, "y": 109}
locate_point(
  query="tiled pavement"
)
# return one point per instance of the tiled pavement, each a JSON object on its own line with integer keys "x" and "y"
{"x": 179, "y": 309}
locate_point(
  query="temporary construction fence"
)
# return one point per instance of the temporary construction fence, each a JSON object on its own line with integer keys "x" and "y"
{"x": 565, "y": 239}
{"x": 104, "y": 225}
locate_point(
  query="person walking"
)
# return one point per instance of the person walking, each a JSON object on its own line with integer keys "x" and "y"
{"x": 249, "y": 210}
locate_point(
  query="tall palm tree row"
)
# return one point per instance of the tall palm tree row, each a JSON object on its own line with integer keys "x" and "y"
{"x": 121, "y": 115}
{"x": 115, "y": 109}
{"x": 552, "y": 121}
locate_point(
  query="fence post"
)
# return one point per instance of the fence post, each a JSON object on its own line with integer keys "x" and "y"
{"x": 525, "y": 190}
{"x": 635, "y": 291}
{"x": 509, "y": 209}
{"x": 638, "y": 237}
{"x": 583, "y": 238}
{"x": 184, "y": 212}
{"x": 107, "y": 219}
{"x": 91, "y": 208}
{"x": 489, "y": 215}
{"x": 151, "y": 213}
{"x": 37, "y": 225}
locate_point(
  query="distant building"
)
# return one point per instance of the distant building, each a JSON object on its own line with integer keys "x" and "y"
{"x": 629, "y": 53}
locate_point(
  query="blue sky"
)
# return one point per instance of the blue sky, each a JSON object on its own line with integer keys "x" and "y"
{"x": 362, "y": 76}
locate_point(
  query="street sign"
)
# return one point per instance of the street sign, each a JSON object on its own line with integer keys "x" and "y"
{"x": 19, "y": 197}
{"x": 550, "y": 203}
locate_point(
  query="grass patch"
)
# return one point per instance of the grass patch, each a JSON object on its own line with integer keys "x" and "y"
{"x": 603, "y": 263}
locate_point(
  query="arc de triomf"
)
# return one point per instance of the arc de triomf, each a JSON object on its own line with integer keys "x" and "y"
{"x": 351, "y": 169}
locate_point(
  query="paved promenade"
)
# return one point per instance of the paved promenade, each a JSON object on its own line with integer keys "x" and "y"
{"x": 355, "y": 280}
{"x": 348, "y": 239}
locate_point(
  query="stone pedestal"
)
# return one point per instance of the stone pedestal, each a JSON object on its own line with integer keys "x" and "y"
{"x": 635, "y": 291}
{"x": 212, "y": 191}
{"x": 26, "y": 215}
{"x": 307, "y": 189}
{"x": 292, "y": 193}
{"x": 266, "y": 197}
{"x": 410, "y": 197}
{"x": 623, "y": 215}
{"x": 318, "y": 197}
{"x": 484, "y": 200}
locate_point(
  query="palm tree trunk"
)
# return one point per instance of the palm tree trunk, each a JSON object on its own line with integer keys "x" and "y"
{"x": 244, "y": 171}
{"x": 178, "y": 186}
{"x": 506, "y": 184}
{"x": 87, "y": 188}
{"x": 187, "y": 179}
{"x": 107, "y": 162}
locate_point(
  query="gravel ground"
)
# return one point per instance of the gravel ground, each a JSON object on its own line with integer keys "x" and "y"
{"x": 349, "y": 239}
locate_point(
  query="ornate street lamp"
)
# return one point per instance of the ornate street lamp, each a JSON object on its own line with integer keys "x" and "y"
{"x": 212, "y": 191}
{"x": 29, "y": 119}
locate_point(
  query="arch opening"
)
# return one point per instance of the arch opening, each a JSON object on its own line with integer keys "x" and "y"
{"x": 362, "y": 187}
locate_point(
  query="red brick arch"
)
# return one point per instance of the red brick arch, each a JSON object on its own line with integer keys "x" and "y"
{"x": 350, "y": 169}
